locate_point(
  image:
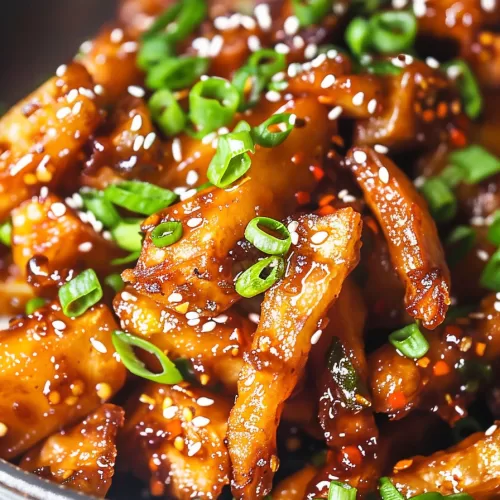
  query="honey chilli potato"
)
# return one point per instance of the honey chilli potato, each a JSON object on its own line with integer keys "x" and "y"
{"x": 250, "y": 250}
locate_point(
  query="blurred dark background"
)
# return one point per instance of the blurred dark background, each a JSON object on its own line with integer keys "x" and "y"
{"x": 38, "y": 35}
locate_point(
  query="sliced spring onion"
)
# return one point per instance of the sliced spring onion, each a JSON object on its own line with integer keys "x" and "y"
{"x": 452, "y": 176}
{"x": 410, "y": 341}
{"x": 475, "y": 163}
{"x": 167, "y": 112}
{"x": 176, "y": 73}
{"x": 80, "y": 294}
{"x": 153, "y": 51}
{"x": 392, "y": 31}
{"x": 388, "y": 491}
{"x": 124, "y": 344}
{"x": 433, "y": 495}
{"x": 464, "y": 428}
{"x": 231, "y": 159}
{"x": 141, "y": 197}
{"x": 34, "y": 304}
{"x": 311, "y": 12}
{"x": 380, "y": 67}
{"x": 442, "y": 202}
{"x": 461, "y": 241}
{"x": 260, "y": 277}
{"x": 472, "y": 99}
{"x": 100, "y": 206}
{"x": 490, "y": 277}
{"x": 6, "y": 233}
{"x": 357, "y": 36}
{"x": 251, "y": 79}
{"x": 266, "y": 242}
{"x": 263, "y": 136}
{"x": 166, "y": 234}
{"x": 344, "y": 374}
{"x": 341, "y": 491}
{"x": 178, "y": 21}
{"x": 494, "y": 229}
{"x": 212, "y": 104}
{"x": 115, "y": 282}
{"x": 126, "y": 260}
{"x": 128, "y": 236}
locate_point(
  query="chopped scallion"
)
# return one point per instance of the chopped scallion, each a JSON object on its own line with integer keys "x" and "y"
{"x": 80, "y": 294}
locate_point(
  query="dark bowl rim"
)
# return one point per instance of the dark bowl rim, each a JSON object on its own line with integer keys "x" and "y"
{"x": 25, "y": 485}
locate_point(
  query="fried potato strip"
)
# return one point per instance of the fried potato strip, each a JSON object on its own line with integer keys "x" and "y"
{"x": 215, "y": 346}
{"x": 411, "y": 234}
{"x": 473, "y": 467}
{"x": 53, "y": 371}
{"x": 41, "y": 137}
{"x": 82, "y": 457}
{"x": 291, "y": 315}
{"x": 199, "y": 267}
{"x": 174, "y": 437}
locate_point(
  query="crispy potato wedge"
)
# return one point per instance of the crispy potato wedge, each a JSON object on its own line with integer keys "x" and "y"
{"x": 292, "y": 313}
{"x": 472, "y": 466}
{"x": 54, "y": 370}
{"x": 45, "y": 226}
{"x": 42, "y": 136}
{"x": 82, "y": 457}
{"x": 200, "y": 265}
{"x": 411, "y": 234}
{"x": 174, "y": 437}
{"x": 215, "y": 346}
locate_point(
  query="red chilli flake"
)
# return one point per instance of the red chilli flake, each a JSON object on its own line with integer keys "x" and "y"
{"x": 303, "y": 197}
{"x": 317, "y": 172}
{"x": 397, "y": 400}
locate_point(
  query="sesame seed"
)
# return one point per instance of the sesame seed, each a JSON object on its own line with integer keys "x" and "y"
{"x": 136, "y": 91}
{"x": 99, "y": 89}
{"x": 63, "y": 113}
{"x": 254, "y": 318}
{"x": 360, "y": 156}
{"x": 358, "y": 99}
{"x": 432, "y": 63}
{"x": 490, "y": 430}
{"x": 138, "y": 143}
{"x": 383, "y": 175}
{"x": 328, "y": 81}
{"x": 222, "y": 318}
{"x": 176, "y": 150}
{"x": 205, "y": 401}
{"x": 200, "y": 421}
{"x": 150, "y": 139}
{"x": 128, "y": 297}
{"x": 170, "y": 412}
{"x": 193, "y": 322}
{"x": 208, "y": 326}
{"x": 116, "y": 35}
{"x": 294, "y": 236}
{"x": 273, "y": 96}
{"x": 318, "y": 61}
{"x": 319, "y": 237}
{"x": 311, "y": 51}
{"x": 372, "y": 106}
{"x": 194, "y": 222}
{"x": 61, "y": 70}
{"x": 488, "y": 5}
{"x": 291, "y": 25}
{"x": 192, "y": 315}
{"x": 247, "y": 22}
{"x": 85, "y": 247}
{"x": 136, "y": 123}
{"x": 380, "y": 148}
{"x": 316, "y": 336}
{"x": 298, "y": 42}
{"x": 175, "y": 297}
{"x": 335, "y": 113}
{"x": 59, "y": 325}
{"x": 263, "y": 16}
{"x": 216, "y": 46}
{"x": 194, "y": 449}
{"x": 187, "y": 194}
{"x": 98, "y": 345}
{"x": 482, "y": 255}
{"x": 292, "y": 227}
{"x": 58, "y": 209}
{"x": 253, "y": 43}
{"x": 282, "y": 48}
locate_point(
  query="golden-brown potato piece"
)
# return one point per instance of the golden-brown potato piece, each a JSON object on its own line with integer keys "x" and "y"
{"x": 110, "y": 58}
{"x": 472, "y": 466}
{"x": 294, "y": 487}
{"x": 199, "y": 266}
{"x": 411, "y": 234}
{"x": 46, "y": 226}
{"x": 41, "y": 137}
{"x": 53, "y": 371}
{"x": 82, "y": 457}
{"x": 174, "y": 436}
{"x": 215, "y": 346}
{"x": 291, "y": 321}
{"x": 418, "y": 105}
